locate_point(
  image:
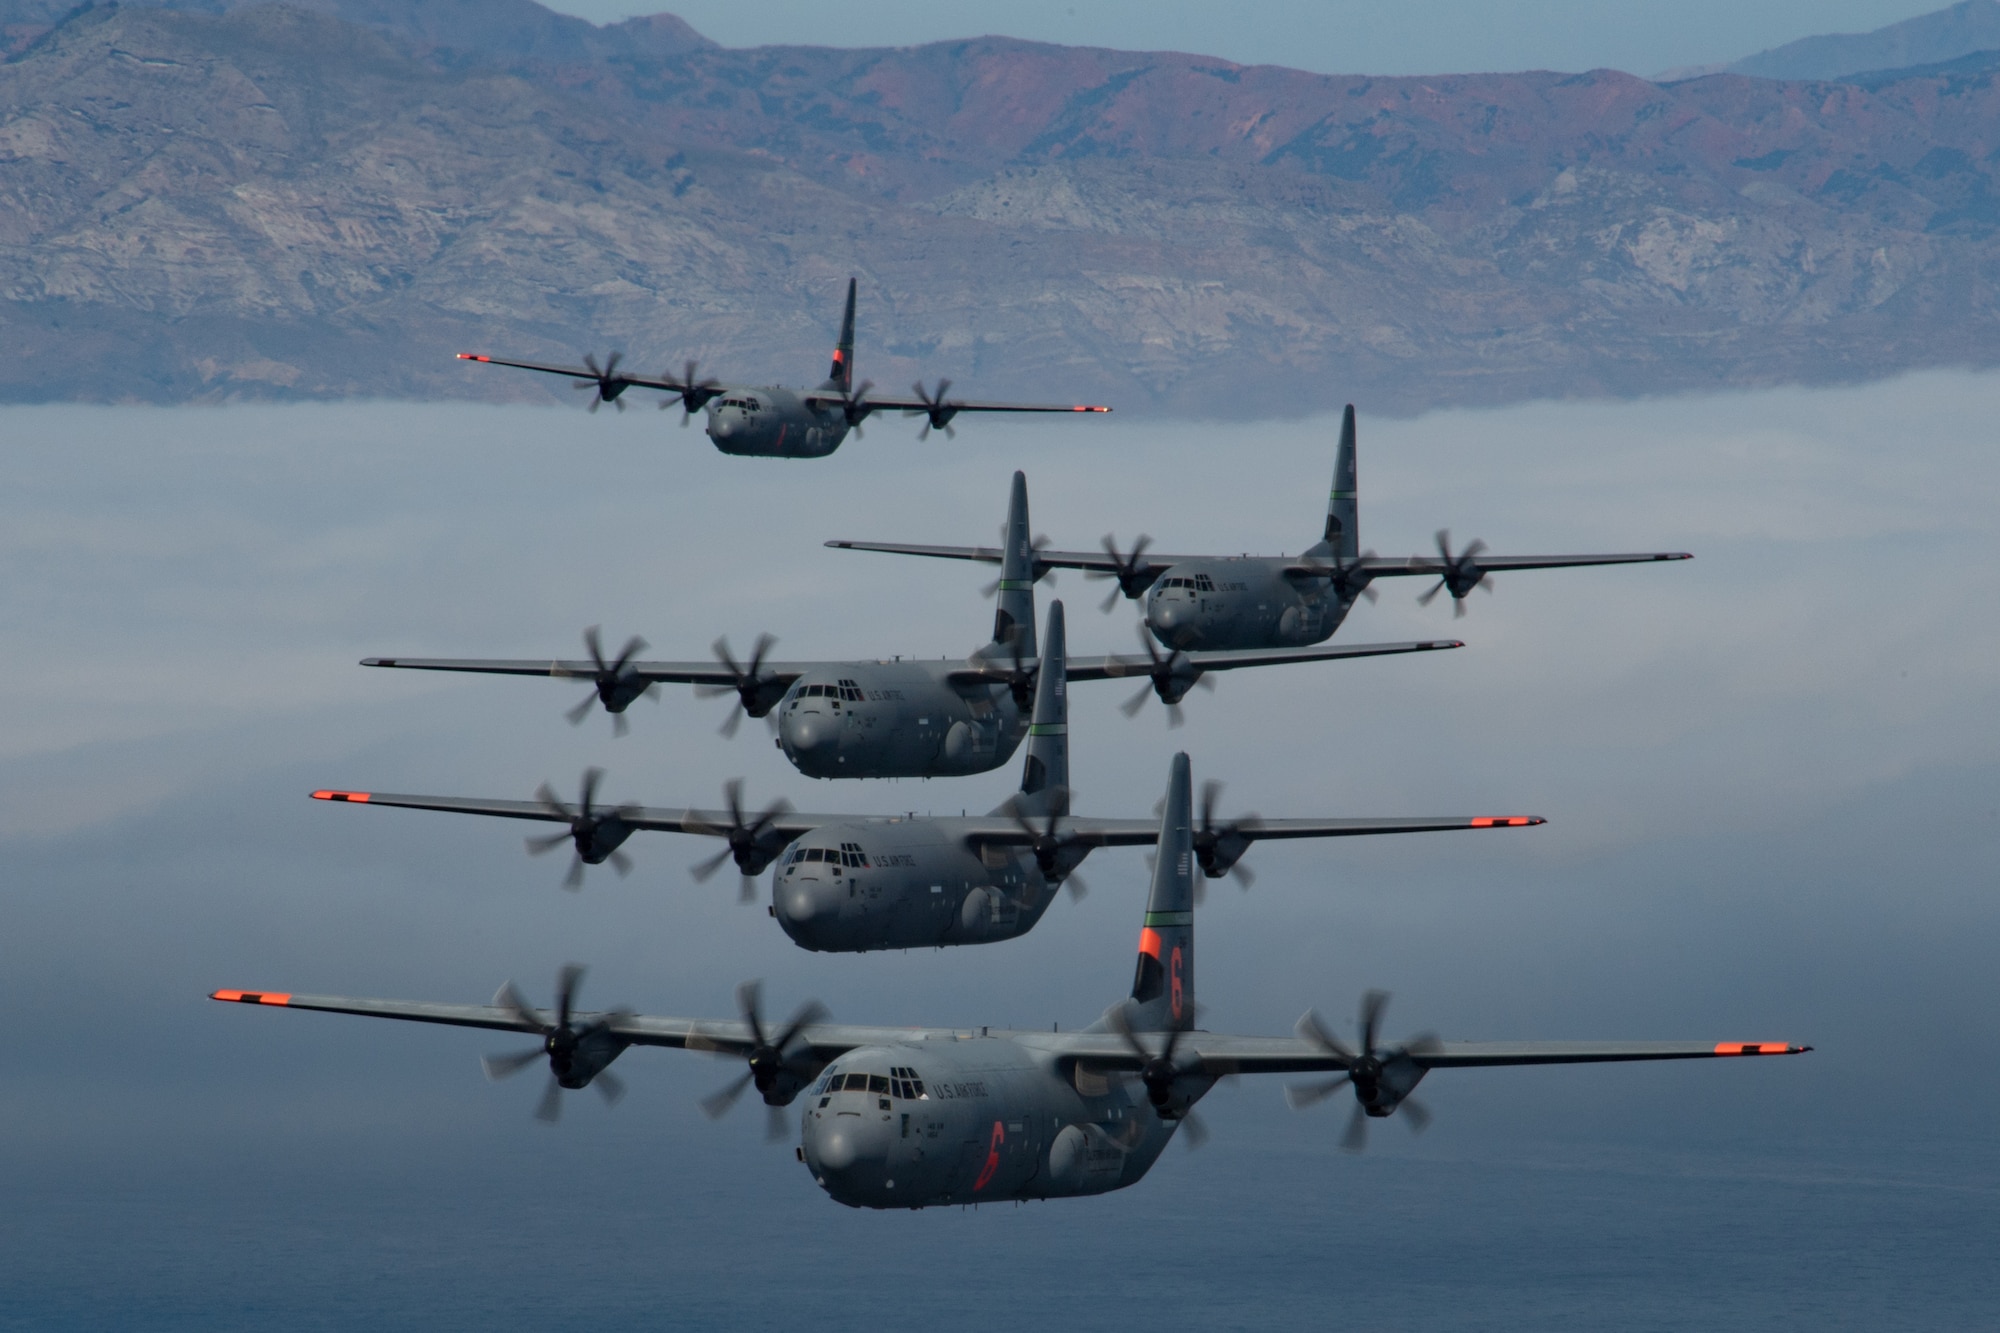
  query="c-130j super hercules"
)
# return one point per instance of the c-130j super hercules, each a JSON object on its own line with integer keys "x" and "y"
{"x": 855, "y": 882}
{"x": 910, "y": 1117}
{"x": 908, "y": 717}
{"x": 771, "y": 421}
{"x": 1230, "y": 602}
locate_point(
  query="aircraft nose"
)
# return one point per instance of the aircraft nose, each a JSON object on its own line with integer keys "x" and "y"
{"x": 806, "y": 732}
{"x": 803, "y": 909}
{"x": 849, "y": 1154}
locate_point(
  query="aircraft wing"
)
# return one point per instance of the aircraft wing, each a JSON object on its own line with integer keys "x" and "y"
{"x": 1220, "y": 1054}
{"x": 1120, "y": 665}
{"x": 1144, "y": 569}
{"x": 1432, "y": 567}
{"x": 667, "y": 819}
{"x": 950, "y": 407}
{"x": 1217, "y": 1053}
{"x": 576, "y": 372}
{"x": 999, "y": 830}
{"x": 709, "y": 672}
{"x": 728, "y": 1036}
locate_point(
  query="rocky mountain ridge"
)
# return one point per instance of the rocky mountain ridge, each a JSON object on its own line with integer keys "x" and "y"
{"x": 221, "y": 199}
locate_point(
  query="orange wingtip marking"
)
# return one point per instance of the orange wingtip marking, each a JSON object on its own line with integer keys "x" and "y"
{"x": 1756, "y": 1048}
{"x": 1149, "y": 943}
{"x": 473, "y": 356}
{"x": 252, "y": 997}
{"x": 1082, "y": 408}
{"x": 1507, "y": 821}
{"x": 340, "y": 796}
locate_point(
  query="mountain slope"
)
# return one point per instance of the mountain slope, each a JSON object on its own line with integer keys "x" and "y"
{"x": 277, "y": 201}
{"x": 1928, "y": 39}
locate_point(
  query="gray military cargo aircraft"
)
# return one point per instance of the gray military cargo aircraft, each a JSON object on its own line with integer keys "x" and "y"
{"x": 1241, "y": 602}
{"x": 908, "y": 1117}
{"x": 900, "y": 718}
{"x": 846, "y": 883}
{"x": 771, "y": 421}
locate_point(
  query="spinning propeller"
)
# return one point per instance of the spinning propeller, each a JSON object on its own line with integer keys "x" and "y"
{"x": 1461, "y": 573}
{"x": 1038, "y": 572}
{"x": 694, "y": 394}
{"x": 1158, "y": 1073}
{"x": 752, "y": 688}
{"x": 1131, "y": 575}
{"x": 936, "y": 411}
{"x": 577, "y": 1056}
{"x": 1170, "y": 677}
{"x": 1382, "y": 1077}
{"x": 606, "y": 380}
{"x": 749, "y": 841}
{"x": 596, "y": 833}
{"x": 614, "y": 684}
{"x": 855, "y": 407}
{"x": 1219, "y": 847}
{"x": 770, "y": 1059}
{"x": 1051, "y": 844}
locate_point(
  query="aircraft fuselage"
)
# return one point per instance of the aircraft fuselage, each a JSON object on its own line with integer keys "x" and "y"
{"x": 897, "y": 719}
{"x": 977, "y": 1119}
{"x": 774, "y": 422}
{"x": 903, "y": 884}
{"x": 1241, "y": 602}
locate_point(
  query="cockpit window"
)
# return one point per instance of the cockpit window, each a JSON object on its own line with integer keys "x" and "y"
{"x": 878, "y": 1083}
{"x": 904, "y": 1083}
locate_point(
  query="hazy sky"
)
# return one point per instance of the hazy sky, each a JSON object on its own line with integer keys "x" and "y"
{"x": 1770, "y": 774}
{"x": 1330, "y": 36}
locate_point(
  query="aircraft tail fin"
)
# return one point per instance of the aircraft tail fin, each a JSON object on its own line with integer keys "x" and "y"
{"x": 1163, "y": 987}
{"x": 1014, "y": 616}
{"x": 1045, "y": 774}
{"x": 1343, "y": 522}
{"x": 841, "y": 377}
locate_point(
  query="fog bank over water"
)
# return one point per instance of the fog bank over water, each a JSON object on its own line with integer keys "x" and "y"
{"x": 1772, "y": 776}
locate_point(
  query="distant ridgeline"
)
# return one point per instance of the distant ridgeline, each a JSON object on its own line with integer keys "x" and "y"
{"x": 214, "y": 199}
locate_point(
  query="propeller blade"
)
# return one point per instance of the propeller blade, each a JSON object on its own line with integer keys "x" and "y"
{"x": 621, "y": 863}
{"x": 750, "y": 1003}
{"x": 1356, "y": 1137}
{"x": 1194, "y": 1130}
{"x": 1372, "y": 1004}
{"x": 498, "y": 1067}
{"x": 1417, "y": 1114}
{"x": 1131, "y": 706}
{"x": 717, "y": 1103}
{"x": 1077, "y": 888}
{"x": 733, "y": 721}
{"x": 1243, "y": 875}
{"x": 550, "y": 1109}
{"x": 573, "y": 881}
{"x": 609, "y": 1086}
{"x": 774, "y": 1123}
{"x": 511, "y": 999}
{"x": 746, "y": 891}
{"x": 702, "y": 870}
{"x": 567, "y": 981}
{"x": 1311, "y": 1028}
{"x": 595, "y": 644}
{"x": 546, "y": 843}
{"x": 1176, "y": 716}
{"x": 1426, "y": 598}
{"x": 1299, "y": 1096}
{"x": 809, "y": 1013}
{"x": 619, "y": 725}
{"x": 1110, "y": 598}
{"x": 577, "y": 714}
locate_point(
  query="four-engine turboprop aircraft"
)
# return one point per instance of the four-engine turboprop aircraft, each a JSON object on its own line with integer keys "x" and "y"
{"x": 851, "y": 882}
{"x": 899, "y": 1117}
{"x": 1236, "y": 602}
{"x": 901, "y": 718}
{"x": 770, "y": 421}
